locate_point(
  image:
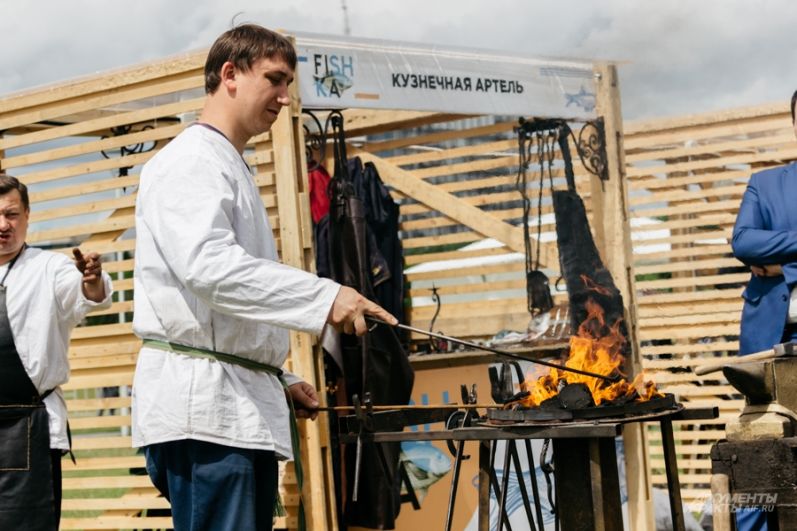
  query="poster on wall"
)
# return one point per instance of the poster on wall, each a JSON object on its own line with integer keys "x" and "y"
{"x": 344, "y": 72}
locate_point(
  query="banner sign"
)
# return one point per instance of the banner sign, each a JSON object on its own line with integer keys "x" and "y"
{"x": 336, "y": 73}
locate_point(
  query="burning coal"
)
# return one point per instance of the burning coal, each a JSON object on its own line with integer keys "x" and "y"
{"x": 596, "y": 348}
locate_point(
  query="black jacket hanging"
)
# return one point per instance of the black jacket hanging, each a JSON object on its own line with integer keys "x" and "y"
{"x": 375, "y": 363}
{"x": 386, "y": 255}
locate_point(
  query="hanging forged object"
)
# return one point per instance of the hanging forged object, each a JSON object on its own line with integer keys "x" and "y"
{"x": 537, "y": 137}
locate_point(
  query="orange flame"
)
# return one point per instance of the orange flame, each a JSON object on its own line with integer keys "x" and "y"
{"x": 591, "y": 285}
{"x": 595, "y": 350}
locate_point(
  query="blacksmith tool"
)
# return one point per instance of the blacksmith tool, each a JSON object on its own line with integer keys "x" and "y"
{"x": 367, "y": 421}
{"x": 778, "y": 351}
{"x": 613, "y": 378}
{"x": 365, "y": 424}
{"x": 404, "y": 407}
{"x": 503, "y": 392}
{"x": 461, "y": 419}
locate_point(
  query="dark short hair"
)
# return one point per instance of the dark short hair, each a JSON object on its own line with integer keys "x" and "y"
{"x": 793, "y": 103}
{"x": 243, "y": 45}
{"x": 9, "y": 183}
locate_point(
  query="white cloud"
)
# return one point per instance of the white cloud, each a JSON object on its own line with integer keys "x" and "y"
{"x": 682, "y": 56}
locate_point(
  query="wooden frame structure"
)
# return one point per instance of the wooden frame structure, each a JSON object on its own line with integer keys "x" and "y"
{"x": 80, "y": 147}
{"x": 686, "y": 177}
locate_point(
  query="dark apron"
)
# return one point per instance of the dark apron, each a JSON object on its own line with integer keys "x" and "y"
{"x": 26, "y": 478}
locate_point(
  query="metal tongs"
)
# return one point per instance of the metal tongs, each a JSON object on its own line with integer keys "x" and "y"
{"x": 614, "y": 378}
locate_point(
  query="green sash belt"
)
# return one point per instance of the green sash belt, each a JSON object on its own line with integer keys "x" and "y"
{"x": 253, "y": 365}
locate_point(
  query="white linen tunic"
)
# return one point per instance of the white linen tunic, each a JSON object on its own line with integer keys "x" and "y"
{"x": 44, "y": 296}
{"x": 207, "y": 276}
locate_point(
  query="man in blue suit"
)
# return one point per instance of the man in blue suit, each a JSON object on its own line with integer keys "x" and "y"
{"x": 765, "y": 238}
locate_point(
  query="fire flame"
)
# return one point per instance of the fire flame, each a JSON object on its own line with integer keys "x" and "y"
{"x": 595, "y": 351}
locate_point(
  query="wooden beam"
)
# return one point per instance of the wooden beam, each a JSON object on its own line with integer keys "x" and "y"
{"x": 58, "y": 109}
{"x": 367, "y": 121}
{"x": 613, "y": 239}
{"x": 450, "y": 205}
{"x": 291, "y": 182}
{"x": 657, "y": 125}
{"x": 108, "y": 81}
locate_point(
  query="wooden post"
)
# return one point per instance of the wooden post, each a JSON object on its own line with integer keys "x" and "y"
{"x": 291, "y": 179}
{"x": 721, "y": 512}
{"x": 613, "y": 239}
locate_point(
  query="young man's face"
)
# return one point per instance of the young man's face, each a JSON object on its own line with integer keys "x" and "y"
{"x": 261, "y": 92}
{"x": 13, "y": 225}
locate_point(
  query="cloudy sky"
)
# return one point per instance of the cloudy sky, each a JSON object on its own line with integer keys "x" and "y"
{"x": 678, "y": 56}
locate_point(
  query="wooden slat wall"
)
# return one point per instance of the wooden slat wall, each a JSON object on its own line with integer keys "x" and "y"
{"x": 686, "y": 177}
{"x": 53, "y": 140}
{"x": 454, "y": 177}
{"x": 455, "y": 180}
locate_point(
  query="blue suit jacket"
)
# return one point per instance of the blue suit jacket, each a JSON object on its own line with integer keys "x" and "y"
{"x": 766, "y": 233}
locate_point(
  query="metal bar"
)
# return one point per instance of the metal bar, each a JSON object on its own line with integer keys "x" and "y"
{"x": 524, "y": 494}
{"x": 671, "y": 466}
{"x": 409, "y": 407}
{"x": 535, "y": 491}
{"x": 486, "y": 434}
{"x": 452, "y": 492}
{"x": 357, "y": 461}
{"x": 502, "y": 519}
{"x": 505, "y": 353}
{"x": 504, "y": 484}
{"x": 484, "y": 486}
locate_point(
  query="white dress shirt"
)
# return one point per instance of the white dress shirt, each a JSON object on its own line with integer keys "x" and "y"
{"x": 45, "y": 301}
{"x": 207, "y": 276}
{"x": 792, "y": 315}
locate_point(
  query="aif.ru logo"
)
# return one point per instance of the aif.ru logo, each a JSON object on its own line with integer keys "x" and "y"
{"x": 333, "y": 74}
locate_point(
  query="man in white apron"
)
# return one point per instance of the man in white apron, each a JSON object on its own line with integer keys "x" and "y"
{"x": 43, "y": 296}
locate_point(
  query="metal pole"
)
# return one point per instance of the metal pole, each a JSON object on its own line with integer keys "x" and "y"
{"x": 462, "y": 342}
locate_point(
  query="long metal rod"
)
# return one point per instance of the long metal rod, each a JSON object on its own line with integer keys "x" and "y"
{"x": 411, "y": 407}
{"x": 462, "y": 342}
{"x": 452, "y": 491}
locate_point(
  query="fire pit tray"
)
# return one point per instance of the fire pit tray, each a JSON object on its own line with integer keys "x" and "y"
{"x": 630, "y": 409}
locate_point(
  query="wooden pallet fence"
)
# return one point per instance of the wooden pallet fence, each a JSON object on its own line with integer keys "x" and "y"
{"x": 686, "y": 177}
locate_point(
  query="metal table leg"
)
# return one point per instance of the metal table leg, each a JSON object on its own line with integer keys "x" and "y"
{"x": 512, "y": 446}
{"x": 484, "y": 485}
{"x": 452, "y": 493}
{"x": 535, "y": 491}
{"x": 671, "y": 466}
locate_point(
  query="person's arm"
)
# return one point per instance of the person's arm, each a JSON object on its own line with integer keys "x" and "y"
{"x": 74, "y": 298}
{"x": 751, "y": 242}
{"x": 190, "y": 213}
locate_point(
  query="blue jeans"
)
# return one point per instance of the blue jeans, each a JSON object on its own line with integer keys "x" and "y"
{"x": 213, "y": 487}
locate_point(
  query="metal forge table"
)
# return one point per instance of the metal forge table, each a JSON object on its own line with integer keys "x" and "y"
{"x": 585, "y": 462}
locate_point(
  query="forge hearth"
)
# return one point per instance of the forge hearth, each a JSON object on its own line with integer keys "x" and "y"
{"x": 604, "y": 411}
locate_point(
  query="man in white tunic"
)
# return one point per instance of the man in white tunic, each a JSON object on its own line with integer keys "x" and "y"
{"x": 213, "y": 304}
{"x": 43, "y": 296}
